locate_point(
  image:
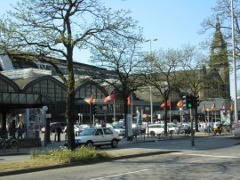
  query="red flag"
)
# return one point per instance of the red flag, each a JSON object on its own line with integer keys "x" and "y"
{"x": 212, "y": 108}
{"x": 90, "y": 100}
{"x": 109, "y": 98}
{"x": 223, "y": 106}
{"x": 203, "y": 108}
{"x": 163, "y": 104}
{"x": 231, "y": 107}
{"x": 168, "y": 103}
{"x": 179, "y": 104}
{"x": 129, "y": 99}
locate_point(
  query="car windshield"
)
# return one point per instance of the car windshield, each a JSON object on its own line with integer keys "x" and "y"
{"x": 87, "y": 132}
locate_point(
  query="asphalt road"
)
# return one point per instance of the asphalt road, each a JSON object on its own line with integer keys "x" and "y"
{"x": 210, "y": 158}
{"x": 221, "y": 164}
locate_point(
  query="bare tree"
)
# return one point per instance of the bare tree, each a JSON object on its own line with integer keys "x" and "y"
{"x": 121, "y": 57}
{"x": 40, "y": 29}
{"x": 163, "y": 77}
{"x": 191, "y": 79}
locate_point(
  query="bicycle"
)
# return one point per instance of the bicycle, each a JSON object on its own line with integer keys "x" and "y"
{"x": 6, "y": 143}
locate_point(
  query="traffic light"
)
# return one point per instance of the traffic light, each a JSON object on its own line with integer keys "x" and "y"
{"x": 184, "y": 102}
{"x": 94, "y": 109}
{"x": 196, "y": 101}
{"x": 190, "y": 101}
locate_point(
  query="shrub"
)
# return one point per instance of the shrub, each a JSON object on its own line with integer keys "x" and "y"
{"x": 66, "y": 156}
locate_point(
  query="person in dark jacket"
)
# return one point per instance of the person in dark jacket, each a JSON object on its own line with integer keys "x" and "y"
{"x": 59, "y": 131}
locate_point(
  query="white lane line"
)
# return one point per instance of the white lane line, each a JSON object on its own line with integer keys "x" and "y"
{"x": 206, "y": 155}
{"x": 133, "y": 172}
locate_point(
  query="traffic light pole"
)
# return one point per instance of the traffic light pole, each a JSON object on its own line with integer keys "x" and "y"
{"x": 192, "y": 131}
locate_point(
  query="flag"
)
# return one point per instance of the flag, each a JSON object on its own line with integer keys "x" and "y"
{"x": 129, "y": 100}
{"x": 203, "y": 108}
{"x": 162, "y": 105}
{"x": 109, "y": 98}
{"x": 212, "y": 107}
{"x": 223, "y": 106}
{"x": 168, "y": 104}
{"x": 179, "y": 104}
{"x": 231, "y": 107}
{"x": 89, "y": 100}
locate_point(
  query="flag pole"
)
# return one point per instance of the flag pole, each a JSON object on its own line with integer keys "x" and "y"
{"x": 114, "y": 114}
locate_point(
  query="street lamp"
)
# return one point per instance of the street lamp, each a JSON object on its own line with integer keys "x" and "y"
{"x": 79, "y": 115}
{"x": 208, "y": 118}
{"x": 181, "y": 114}
{"x": 147, "y": 110}
{"x": 47, "y": 126}
{"x": 234, "y": 65}
{"x": 20, "y": 118}
{"x": 150, "y": 90}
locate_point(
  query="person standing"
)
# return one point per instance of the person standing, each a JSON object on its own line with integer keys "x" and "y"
{"x": 59, "y": 131}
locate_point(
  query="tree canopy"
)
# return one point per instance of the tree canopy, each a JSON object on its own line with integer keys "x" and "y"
{"x": 48, "y": 29}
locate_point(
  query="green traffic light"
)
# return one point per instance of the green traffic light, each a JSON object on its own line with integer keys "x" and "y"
{"x": 189, "y": 105}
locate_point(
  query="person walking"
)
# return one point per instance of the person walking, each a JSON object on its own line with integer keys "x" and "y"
{"x": 59, "y": 131}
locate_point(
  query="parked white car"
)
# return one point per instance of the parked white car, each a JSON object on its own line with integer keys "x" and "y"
{"x": 120, "y": 131}
{"x": 154, "y": 129}
{"x": 98, "y": 137}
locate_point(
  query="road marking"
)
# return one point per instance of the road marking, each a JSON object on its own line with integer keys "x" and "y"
{"x": 133, "y": 172}
{"x": 206, "y": 155}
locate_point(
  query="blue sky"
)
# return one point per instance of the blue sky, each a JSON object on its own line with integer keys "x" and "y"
{"x": 173, "y": 22}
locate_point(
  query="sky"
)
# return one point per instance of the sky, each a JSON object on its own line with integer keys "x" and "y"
{"x": 173, "y": 22}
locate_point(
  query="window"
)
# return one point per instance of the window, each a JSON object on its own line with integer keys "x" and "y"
{"x": 107, "y": 131}
{"x": 99, "y": 132}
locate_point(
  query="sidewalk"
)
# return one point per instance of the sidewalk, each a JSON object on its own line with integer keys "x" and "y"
{"x": 56, "y": 145}
{"x": 142, "y": 146}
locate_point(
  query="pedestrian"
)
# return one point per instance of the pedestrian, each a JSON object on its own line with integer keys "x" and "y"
{"x": 103, "y": 124}
{"x": 59, "y": 131}
{"x": 19, "y": 132}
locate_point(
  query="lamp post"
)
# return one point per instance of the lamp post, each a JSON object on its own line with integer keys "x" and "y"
{"x": 79, "y": 115}
{"x": 208, "y": 118}
{"x": 234, "y": 65}
{"x": 20, "y": 118}
{"x": 147, "y": 110}
{"x": 47, "y": 126}
{"x": 150, "y": 90}
{"x": 105, "y": 113}
{"x": 181, "y": 114}
{"x": 81, "y": 121}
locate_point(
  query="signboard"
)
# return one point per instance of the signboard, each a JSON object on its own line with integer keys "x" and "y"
{"x": 129, "y": 126}
{"x": 225, "y": 116}
{"x": 48, "y": 115}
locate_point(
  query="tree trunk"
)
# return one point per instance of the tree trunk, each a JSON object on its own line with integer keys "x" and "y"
{"x": 70, "y": 104}
{"x": 165, "y": 117}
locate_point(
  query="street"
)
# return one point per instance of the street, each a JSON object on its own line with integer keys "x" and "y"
{"x": 186, "y": 162}
{"x": 212, "y": 164}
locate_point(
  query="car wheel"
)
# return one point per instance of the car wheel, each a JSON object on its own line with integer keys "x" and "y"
{"x": 89, "y": 144}
{"x": 152, "y": 133}
{"x": 114, "y": 143}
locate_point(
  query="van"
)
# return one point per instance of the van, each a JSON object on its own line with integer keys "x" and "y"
{"x": 154, "y": 129}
